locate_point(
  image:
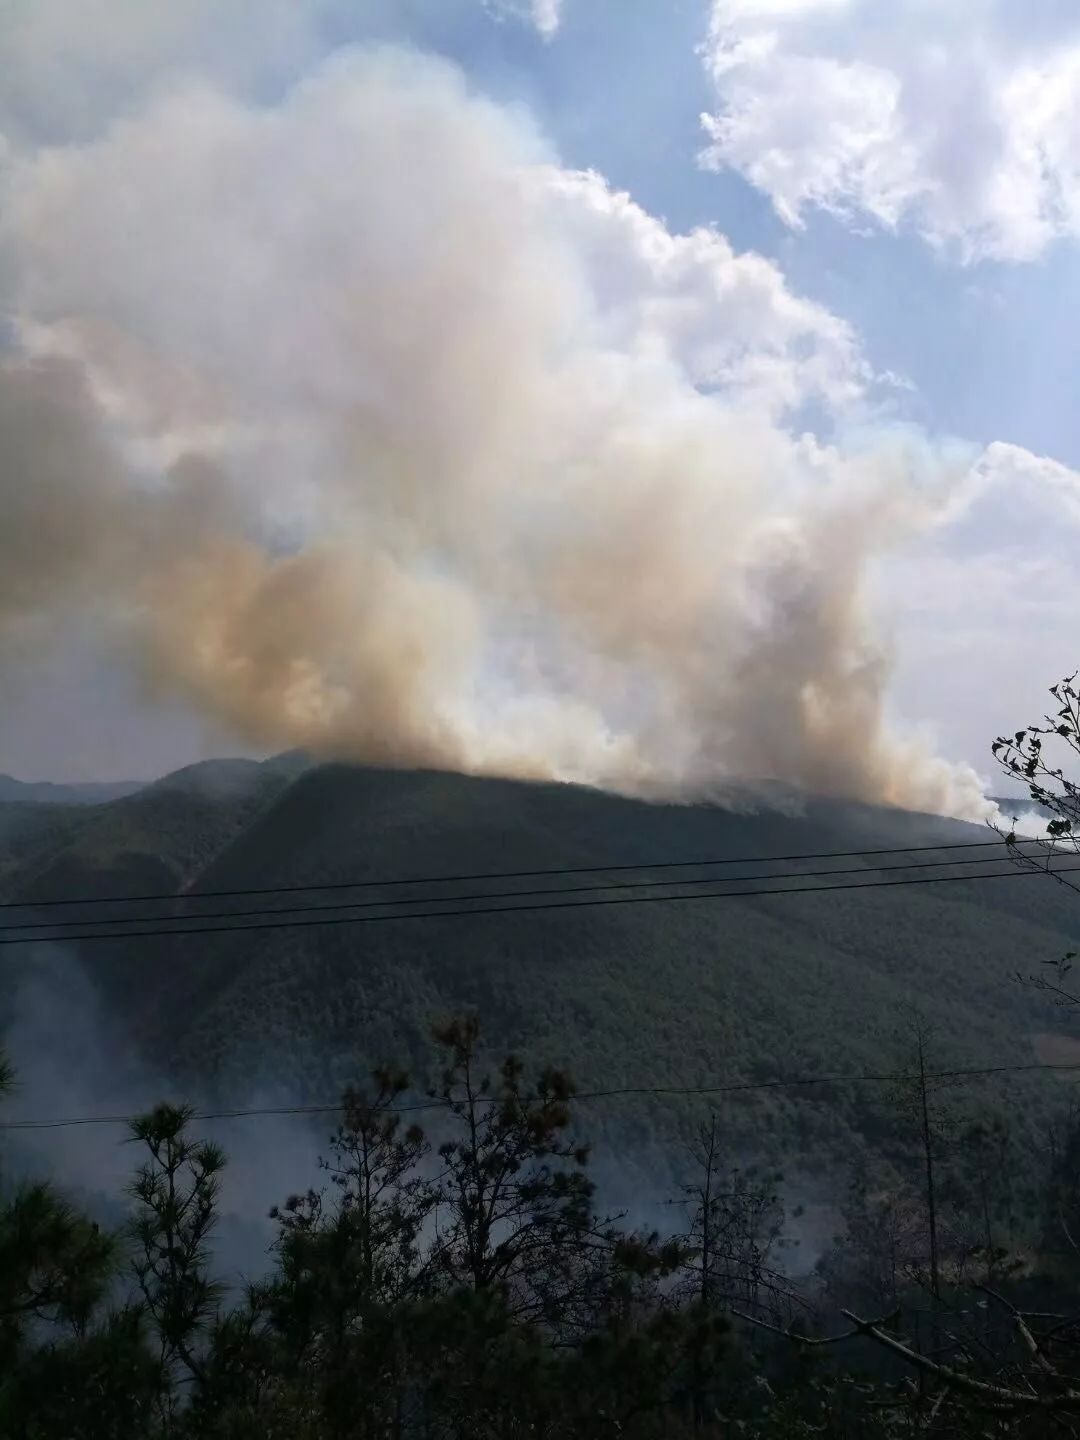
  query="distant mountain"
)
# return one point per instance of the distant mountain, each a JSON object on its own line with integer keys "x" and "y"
{"x": 45, "y": 792}
{"x": 688, "y": 993}
{"x": 157, "y": 839}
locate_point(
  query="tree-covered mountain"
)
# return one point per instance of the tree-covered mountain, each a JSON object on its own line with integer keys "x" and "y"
{"x": 159, "y": 838}
{"x": 686, "y": 994}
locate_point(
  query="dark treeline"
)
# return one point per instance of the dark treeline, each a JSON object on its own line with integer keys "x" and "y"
{"x": 468, "y": 1285}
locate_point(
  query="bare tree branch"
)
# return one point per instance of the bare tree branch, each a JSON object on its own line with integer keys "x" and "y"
{"x": 995, "y": 1397}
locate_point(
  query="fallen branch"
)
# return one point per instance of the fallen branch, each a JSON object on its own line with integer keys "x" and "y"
{"x": 996, "y": 1397}
{"x": 809, "y": 1339}
{"x": 1025, "y": 1331}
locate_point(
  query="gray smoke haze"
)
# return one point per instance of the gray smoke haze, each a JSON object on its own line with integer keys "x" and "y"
{"x": 72, "y": 1059}
{"x": 366, "y": 428}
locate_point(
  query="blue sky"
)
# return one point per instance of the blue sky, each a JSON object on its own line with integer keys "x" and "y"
{"x": 992, "y": 348}
{"x": 907, "y": 174}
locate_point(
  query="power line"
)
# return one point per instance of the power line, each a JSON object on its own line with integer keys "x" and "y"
{"x": 620, "y": 1092}
{"x": 499, "y": 875}
{"x": 515, "y": 909}
{"x": 262, "y": 910}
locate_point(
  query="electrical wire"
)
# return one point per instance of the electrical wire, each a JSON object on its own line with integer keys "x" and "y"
{"x": 620, "y": 1092}
{"x": 500, "y": 875}
{"x": 263, "y": 911}
{"x": 398, "y": 915}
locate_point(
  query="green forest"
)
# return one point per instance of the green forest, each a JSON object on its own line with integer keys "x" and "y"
{"x": 458, "y": 1272}
{"x": 468, "y": 1285}
{"x": 687, "y": 994}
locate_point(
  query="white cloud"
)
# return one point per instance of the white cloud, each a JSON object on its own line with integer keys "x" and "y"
{"x": 960, "y": 120}
{"x": 547, "y": 16}
{"x": 728, "y": 320}
{"x": 544, "y": 15}
{"x": 1033, "y": 480}
{"x": 982, "y": 611}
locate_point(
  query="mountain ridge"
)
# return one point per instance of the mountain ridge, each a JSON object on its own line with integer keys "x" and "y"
{"x": 50, "y": 792}
{"x": 735, "y": 990}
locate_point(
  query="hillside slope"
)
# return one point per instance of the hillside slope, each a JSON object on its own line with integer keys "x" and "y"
{"x": 47, "y": 792}
{"x": 657, "y": 994}
{"x": 155, "y": 840}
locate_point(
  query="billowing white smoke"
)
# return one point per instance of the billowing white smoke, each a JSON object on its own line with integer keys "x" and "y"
{"x": 374, "y": 432}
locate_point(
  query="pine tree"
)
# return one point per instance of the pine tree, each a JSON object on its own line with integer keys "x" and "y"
{"x": 69, "y": 1367}
{"x": 176, "y": 1189}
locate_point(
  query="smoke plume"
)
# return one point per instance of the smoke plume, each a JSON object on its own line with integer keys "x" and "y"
{"x": 370, "y": 430}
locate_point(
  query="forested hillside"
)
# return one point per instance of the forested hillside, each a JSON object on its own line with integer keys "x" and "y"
{"x": 468, "y": 1285}
{"x": 685, "y": 994}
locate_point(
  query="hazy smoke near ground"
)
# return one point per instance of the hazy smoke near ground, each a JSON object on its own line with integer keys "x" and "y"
{"x": 365, "y": 426}
{"x": 72, "y": 1060}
